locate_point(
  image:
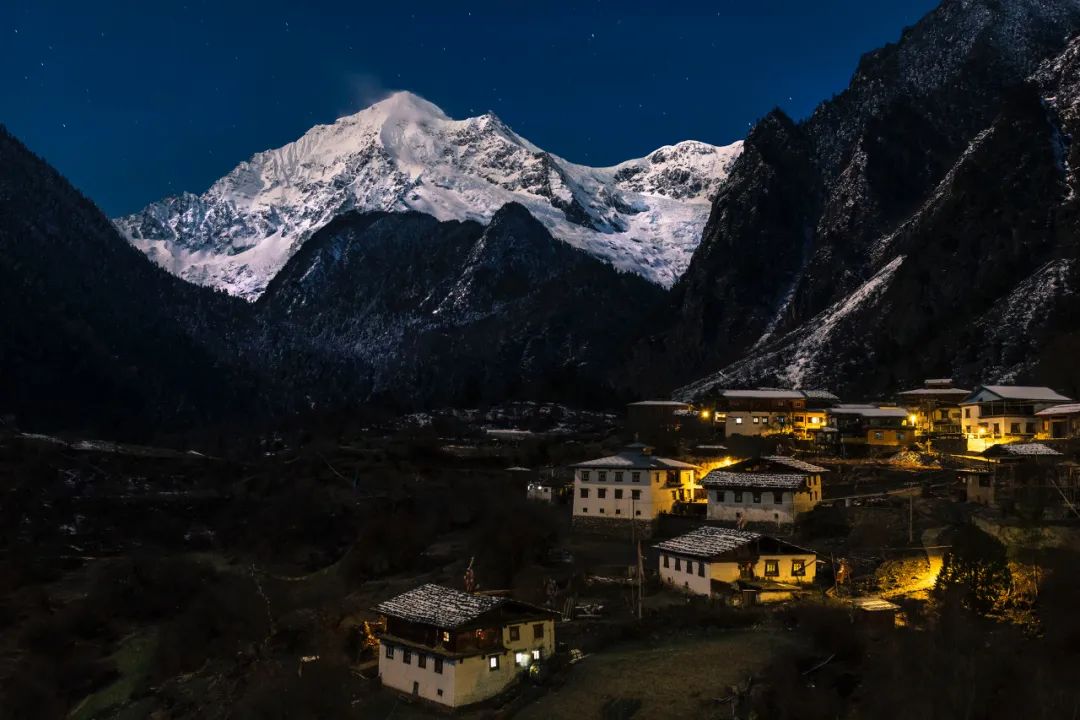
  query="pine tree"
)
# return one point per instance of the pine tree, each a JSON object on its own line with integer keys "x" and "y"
{"x": 975, "y": 571}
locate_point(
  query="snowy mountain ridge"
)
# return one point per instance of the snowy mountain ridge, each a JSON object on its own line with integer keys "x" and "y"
{"x": 403, "y": 153}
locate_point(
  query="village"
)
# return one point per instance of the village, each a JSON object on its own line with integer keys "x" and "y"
{"x": 776, "y": 551}
{"x": 727, "y": 502}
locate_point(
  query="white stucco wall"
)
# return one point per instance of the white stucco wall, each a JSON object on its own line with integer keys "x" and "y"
{"x": 466, "y": 680}
{"x": 655, "y": 497}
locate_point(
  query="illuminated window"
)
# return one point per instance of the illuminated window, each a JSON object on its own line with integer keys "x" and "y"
{"x": 798, "y": 568}
{"x": 815, "y": 420}
{"x": 493, "y": 662}
{"x": 515, "y": 632}
{"x": 772, "y": 568}
{"x": 536, "y": 654}
{"x": 756, "y": 420}
{"x": 446, "y": 636}
{"x": 738, "y": 421}
{"x": 521, "y": 659}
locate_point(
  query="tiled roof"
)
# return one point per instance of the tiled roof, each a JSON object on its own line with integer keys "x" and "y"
{"x": 937, "y": 391}
{"x": 721, "y": 478}
{"x": 1021, "y": 449}
{"x": 439, "y": 606}
{"x": 1064, "y": 409}
{"x": 764, "y": 393}
{"x": 820, "y": 395}
{"x": 659, "y": 403}
{"x": 870, "y": 411}
{"x": 1024, "y": 392}
{"x": 794, "y": 463}
{"x": 708, "y": 542}
{"x": 635, "y": 459}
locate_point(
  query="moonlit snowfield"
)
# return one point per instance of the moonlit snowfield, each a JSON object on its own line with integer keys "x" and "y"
{"x": 403, "y": 153}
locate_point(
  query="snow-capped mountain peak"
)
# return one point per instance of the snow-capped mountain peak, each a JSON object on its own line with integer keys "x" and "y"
{"x": 404, "y": 153}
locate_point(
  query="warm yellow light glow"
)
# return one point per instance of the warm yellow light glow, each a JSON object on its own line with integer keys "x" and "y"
{"x": 912, "y": 418}
{"x": 704, "y": 414}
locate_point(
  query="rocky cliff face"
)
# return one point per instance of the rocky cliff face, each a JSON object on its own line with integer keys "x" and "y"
{"x": 924, "y": 208}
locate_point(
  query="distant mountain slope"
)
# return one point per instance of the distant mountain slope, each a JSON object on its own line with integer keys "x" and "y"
{"x": 918, "y": 223}
{"x": 404, "y": 153}
{"x": 92, "y": 336}
{"x": 423, "y": 312}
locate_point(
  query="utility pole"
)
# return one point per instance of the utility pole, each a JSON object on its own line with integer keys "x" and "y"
{"x": 910, "y": 519}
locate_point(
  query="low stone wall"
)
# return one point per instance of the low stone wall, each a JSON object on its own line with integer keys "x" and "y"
{"x": 672, "y": 525}
{"x": 610, "y": 527}
{"x": 1030, "y": 536}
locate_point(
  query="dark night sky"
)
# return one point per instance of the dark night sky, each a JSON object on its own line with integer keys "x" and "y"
{"x": 136, "y": 100}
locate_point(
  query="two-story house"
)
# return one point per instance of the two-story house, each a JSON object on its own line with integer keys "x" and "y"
{"x": 996, "y": 414}
{"x": 879, "y": 425}
{"x": 635, "y": 484}
{"x": 456, "y": 648}
{"x": 712, "y": 561}
{"x": 934, "y": 408}
{"x": 771, "y": 489}
{"x": 1060, "y": 422}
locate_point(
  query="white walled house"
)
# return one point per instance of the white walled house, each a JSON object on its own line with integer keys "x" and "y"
{"x": 996, "y": 414}
{"x": 632, "y": 485}
{"x": 771, "y": 489}
{"x": 454, "y": 648}
{"x": 715, "y": 561}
